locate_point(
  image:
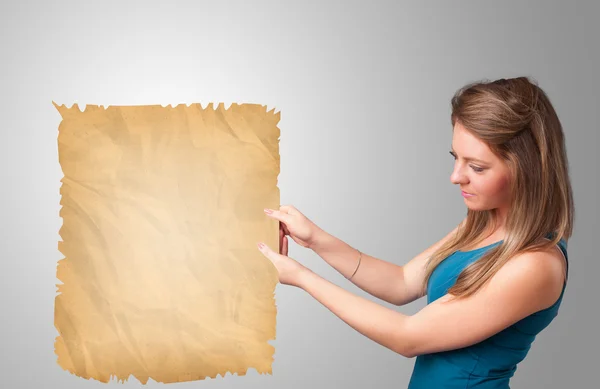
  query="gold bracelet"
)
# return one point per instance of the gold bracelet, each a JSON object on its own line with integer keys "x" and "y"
{"x": 359, "y": 258}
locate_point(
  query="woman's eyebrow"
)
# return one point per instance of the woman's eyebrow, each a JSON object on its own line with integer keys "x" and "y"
{"x": 470, "y": 158}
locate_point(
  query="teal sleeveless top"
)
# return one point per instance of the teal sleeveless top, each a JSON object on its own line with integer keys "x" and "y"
{"x": 490, "y": 363}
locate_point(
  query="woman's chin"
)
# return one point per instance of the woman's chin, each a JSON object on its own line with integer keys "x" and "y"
{"x": 477, "y": 207}
{"x": 474, "y": 207}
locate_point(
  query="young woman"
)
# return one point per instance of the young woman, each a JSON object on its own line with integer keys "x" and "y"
{"x": 496, "y": 280}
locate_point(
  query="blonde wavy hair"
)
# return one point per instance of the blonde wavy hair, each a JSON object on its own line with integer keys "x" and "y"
{"x": 516, "y": 120}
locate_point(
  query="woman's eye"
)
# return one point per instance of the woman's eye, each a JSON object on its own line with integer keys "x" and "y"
{"x": 475, "y": 168}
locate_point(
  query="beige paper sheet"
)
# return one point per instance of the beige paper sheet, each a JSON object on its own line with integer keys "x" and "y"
{"x": 162, "y": 208}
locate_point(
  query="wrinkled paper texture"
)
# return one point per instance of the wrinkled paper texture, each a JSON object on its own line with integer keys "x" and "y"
{"x": 162, "y": 208}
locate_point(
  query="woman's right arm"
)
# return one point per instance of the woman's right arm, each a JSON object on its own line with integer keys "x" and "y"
{"x": 398, "y": 285}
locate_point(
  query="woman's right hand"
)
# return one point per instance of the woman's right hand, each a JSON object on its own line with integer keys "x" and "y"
{"x": 294, "y": 224}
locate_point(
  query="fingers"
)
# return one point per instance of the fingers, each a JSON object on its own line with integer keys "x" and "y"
{"x": 284, "y": 247}
{"x": 281, "y": 236}
{"x": 285, "y": 229}
{"x": 283, "y": 216}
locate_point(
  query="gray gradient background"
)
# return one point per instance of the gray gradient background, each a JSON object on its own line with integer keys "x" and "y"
{"x": 364, "y": 93}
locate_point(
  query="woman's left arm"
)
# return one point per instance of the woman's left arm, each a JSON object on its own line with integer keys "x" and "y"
{"x": 526, "y": 284}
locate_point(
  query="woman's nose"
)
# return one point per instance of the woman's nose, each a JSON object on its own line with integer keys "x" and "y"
{"x": 457, "y": 177}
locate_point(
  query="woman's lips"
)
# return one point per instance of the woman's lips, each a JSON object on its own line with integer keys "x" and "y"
{"x": 465, "y": 194}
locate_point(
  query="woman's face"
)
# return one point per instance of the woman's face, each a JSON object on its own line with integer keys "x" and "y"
{"x": 479, "y": 172}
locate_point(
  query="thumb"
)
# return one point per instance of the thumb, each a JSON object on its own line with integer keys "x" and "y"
{"x": 279, "y": 215}
{"x": 266, "y": 250}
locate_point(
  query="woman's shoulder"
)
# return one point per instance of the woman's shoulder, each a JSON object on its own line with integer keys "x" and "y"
{"x": 546, "y": 269}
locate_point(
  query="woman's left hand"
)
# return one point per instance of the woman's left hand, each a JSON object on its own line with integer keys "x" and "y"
{"x": 289, "y": 269}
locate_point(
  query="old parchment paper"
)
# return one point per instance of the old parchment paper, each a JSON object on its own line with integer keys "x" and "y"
{"x": 162, "y": 208}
